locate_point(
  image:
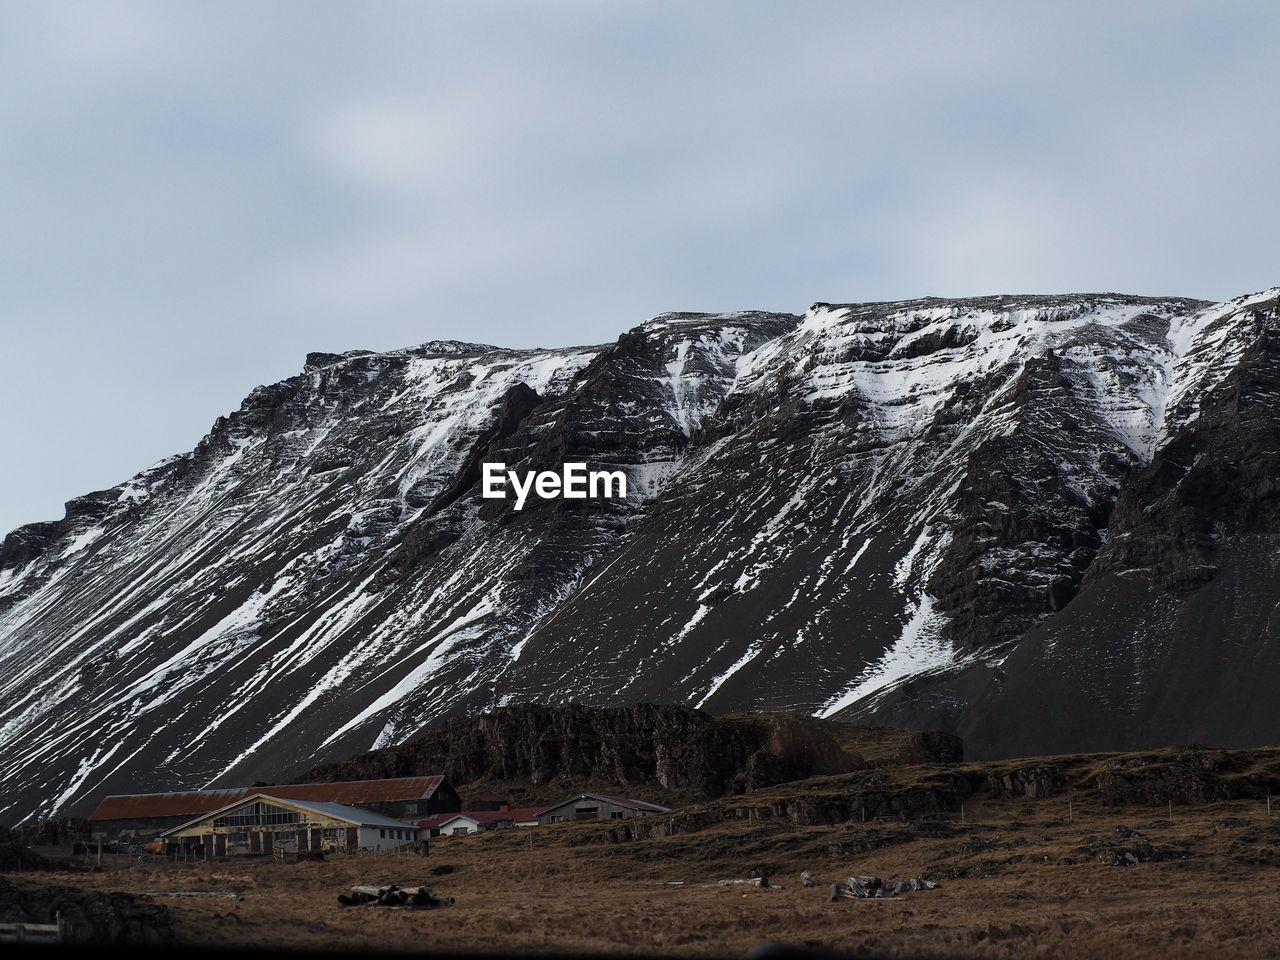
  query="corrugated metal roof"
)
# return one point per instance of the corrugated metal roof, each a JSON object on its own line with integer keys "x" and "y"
{"x": 637, "y": 804}
{"x": 195, "y": 802}
{"x": 641, "y": 805}
{"x": 353, "y": 814}
{"x": 333, "y": 810}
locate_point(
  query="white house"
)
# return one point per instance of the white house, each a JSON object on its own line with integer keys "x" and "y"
{"x": 474, "y": 821}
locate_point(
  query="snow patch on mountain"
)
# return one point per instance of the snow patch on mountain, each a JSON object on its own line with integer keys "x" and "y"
{"x": 921, "y": 648}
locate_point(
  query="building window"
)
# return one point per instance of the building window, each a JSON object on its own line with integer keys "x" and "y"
{"x": 410, "y": 808}
{"x": 257, "y": 815}
{"x": 615, "y": 815}
{"x": 237, "y": 838}
{"x": 555, "y": 818}
{"x": 285, "y": 835}
{"x": 459, "y": 830}
{"x": 382, "y": 834}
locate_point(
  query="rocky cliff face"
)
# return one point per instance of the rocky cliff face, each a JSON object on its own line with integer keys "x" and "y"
{"x": 685, "y": 752}
{"x": 1045, "y": 523}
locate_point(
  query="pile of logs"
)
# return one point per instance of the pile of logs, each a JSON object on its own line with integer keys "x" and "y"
{"x": 392, "y": 895}
{"x": 871, "y": 888}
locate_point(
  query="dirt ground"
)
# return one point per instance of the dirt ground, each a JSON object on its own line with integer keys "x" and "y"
{"x": 1018, "y": 879}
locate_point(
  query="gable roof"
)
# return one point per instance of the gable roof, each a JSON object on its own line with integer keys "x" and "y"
{"x": 644, "y": 805}
{"x": 353, "y": 815}
{"x": 440, "y": 819}
{"x": 193, "y": 802}
{"x": 640, "y": 805}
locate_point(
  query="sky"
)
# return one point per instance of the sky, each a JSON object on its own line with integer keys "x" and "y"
{"x": 195, "y": 195}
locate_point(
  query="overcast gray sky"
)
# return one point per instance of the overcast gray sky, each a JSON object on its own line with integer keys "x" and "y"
{"x": 195, "y": 195}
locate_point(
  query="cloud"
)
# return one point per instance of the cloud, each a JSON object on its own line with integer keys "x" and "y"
{"x": 418, "y": 148}
{"x": 231, "y": 185}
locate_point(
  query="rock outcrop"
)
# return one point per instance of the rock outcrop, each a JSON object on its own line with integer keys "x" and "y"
{"x": 685, "y": 752}
{"x": 96, "y": 919}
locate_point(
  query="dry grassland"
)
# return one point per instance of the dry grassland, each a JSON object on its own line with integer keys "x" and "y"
{"x": 1018, "y": 880}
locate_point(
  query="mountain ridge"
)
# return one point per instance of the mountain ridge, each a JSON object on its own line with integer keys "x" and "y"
{"x": 875, "y": 511}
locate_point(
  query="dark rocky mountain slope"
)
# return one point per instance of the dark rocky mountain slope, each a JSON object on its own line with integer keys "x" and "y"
{"x": 1044, "y": 523}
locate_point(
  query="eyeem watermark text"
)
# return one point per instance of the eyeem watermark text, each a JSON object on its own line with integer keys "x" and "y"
{"x": 574, "y": 482}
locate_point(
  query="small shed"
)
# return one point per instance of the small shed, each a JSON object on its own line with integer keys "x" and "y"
{"x": 598, "y": 806}
{"x": 474, "y": 821}
{"x": 263, "y": 824}
{"x": 456, "y": 824}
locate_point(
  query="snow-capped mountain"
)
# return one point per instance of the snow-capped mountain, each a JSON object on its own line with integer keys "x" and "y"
{"x": 1042, "y": 522}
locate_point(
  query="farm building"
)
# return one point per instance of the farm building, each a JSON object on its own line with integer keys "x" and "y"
{"x": 144, "y": 816}
{"x": 596, "y": 806}
{"x": 474, "y": 821}
{"x": 262, "y": 824}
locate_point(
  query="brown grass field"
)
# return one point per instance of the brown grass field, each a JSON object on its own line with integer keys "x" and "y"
{"x": 1018, "y": 879}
